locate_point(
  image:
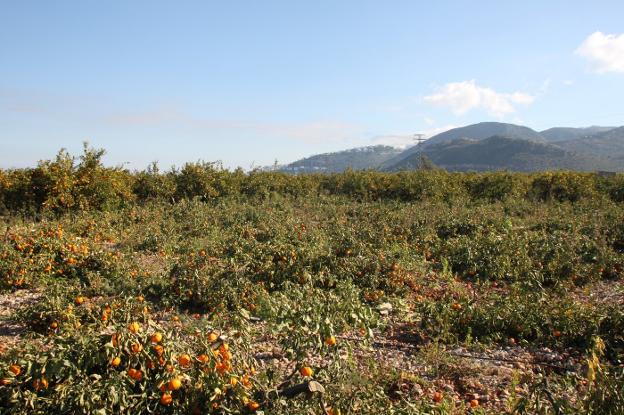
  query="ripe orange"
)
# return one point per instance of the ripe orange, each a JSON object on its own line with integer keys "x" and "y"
{"x": 134, "y": 327}
{"x": 174, "y": 384}
{"x": 204, "y": 358}
{"x": 233, "y": 381}
{"x": 556, "y": 333}
{"x": 79, "y": 300}
{"x": 156, "y": 337}
{"x": 253, "y": 406}
{"x": 136, "y": 375}
{"x": 40, "y": 384}
{"x": 474, "y": 403}
{"x": 15, "y": 369}
{"x": 306, "y": 371}
{"x": 116, "y": 361}
{"x": 456, "y": 306}
{"x": 184, "y": 360}
{"x": 159, "y": 349}
{"x": 166, "y": 399}
{"x": 437, "y": 397}
{"x": 140, "y": 298}
{"x": 54, "y": 325}
{"x": 330, "y": 341}
{"x": 136, "y": 347}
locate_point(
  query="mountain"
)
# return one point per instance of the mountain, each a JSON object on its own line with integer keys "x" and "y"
{"x": 478, "y": 131}
{"x": 488, "y": 146}
{"x": 358, "y": 159}
{"x": 608, "y": 144}
{"x": 565, "y": 133}
{"x": 503, "y": 153}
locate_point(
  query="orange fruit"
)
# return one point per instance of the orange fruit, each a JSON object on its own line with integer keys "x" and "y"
{"x": 40, "y": 384}
{"x": 306, "y": 371}
{"x": 116, "y": 361}
{"x": 159, "y": 349}
{"x": 136, "y": 375}
{"x": 224, "y": 348}
{"x": 156, "y": 337}
{"x": 15, "y": 369}
{"x": 556, "y": 333}
{"x": 136, "y": 348}
{"x": 54, "y": 325}
{"x": 184, "y": 360}
{"x": 330, "y": 341}
{"x": 253, "y": 406}
{"x": 140, "y": 298}
{"x": 223, "y": 367}
{"x": 174, "y": 384}
{"x": 474, "y": 403}
{"x": 233, "y": 381}
{"x": 456, "y": 306}
{"x": 204, "y": 358}
{"x": 134, "y": 327}
{"x": 79, "y": 300}
{"x": 437, "y": 397}
{"x": 212, "y": 337}
{"x": 166, "y": 399}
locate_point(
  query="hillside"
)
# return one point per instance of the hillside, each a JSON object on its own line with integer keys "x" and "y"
{"x": 358, "y": 159}
{"x": 607, "y": 144}
{"x": 475, "y": 131}
{"x": 503, "y": 153}
{"x": 566, "y": 133}
{"x": 488, "y": 146}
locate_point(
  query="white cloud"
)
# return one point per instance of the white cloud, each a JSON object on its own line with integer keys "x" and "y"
{"x": 407, "y": 140}
{"x": 604, "y": 52}
{"x": 464, "y": 96}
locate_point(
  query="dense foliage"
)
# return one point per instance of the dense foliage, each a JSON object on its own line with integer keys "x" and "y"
{"x": 165, "y": 292}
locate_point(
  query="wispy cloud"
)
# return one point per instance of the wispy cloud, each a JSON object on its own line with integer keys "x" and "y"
{"x": 605, "y": 53}
{"x": 462, "y": 97}
{"x": 310, "y": 132}
{"x": 407, "y": 140}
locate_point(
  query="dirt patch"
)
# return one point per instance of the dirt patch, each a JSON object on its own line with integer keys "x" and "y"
{"x": 10, "y": 330}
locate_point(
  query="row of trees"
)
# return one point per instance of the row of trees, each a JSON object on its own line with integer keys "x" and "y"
{"x": 83, "y": 183}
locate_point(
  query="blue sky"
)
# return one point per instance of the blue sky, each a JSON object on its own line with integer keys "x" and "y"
{"x": 249, "y": 82}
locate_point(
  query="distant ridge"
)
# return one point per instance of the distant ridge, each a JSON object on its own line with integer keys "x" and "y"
{"x": 566, "y": 133}
{"x": 360, "y": 158}
{"x": 488, "y": 146}
{"x": 475, "y": 131}
{"x": 504, "y": 153}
